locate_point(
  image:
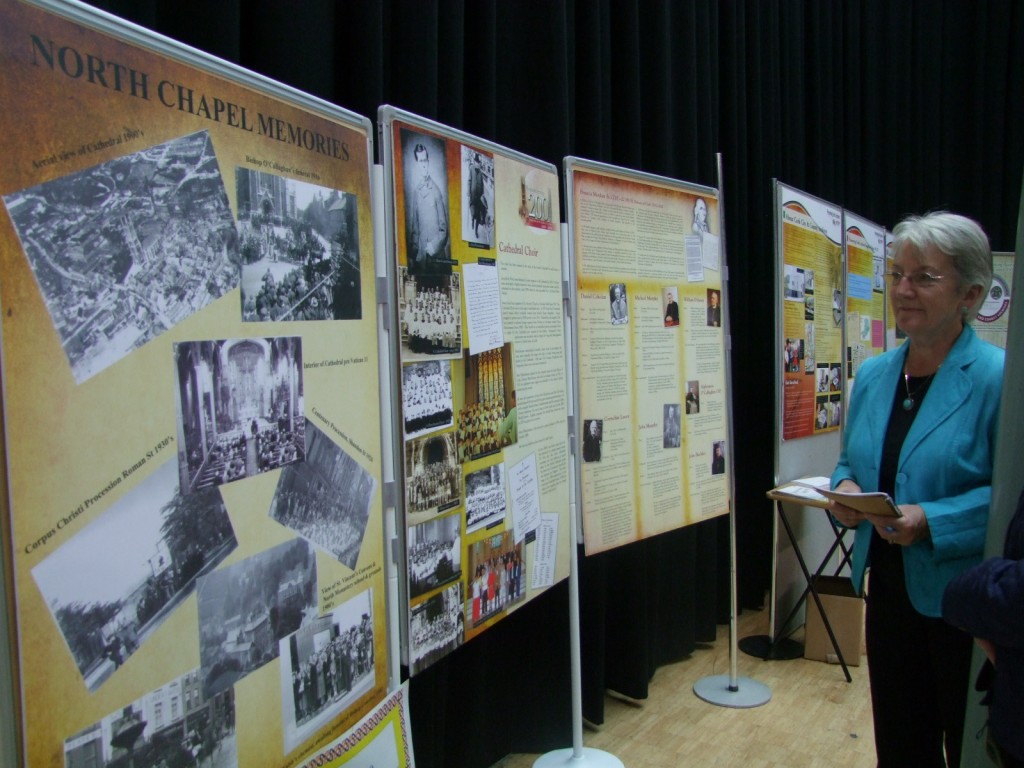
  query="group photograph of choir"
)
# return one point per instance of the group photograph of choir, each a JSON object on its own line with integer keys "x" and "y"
{"x": 497, "y": 576}
{"x": 436, "y": 627}
{"x": 487, "y": 419}
{"x": 435, "y": 554}
{"x": 430, "y": 316}
{"x": 485, "y": 497}
{"x": 433, "y": 476}
{"x": 426, "y": 397}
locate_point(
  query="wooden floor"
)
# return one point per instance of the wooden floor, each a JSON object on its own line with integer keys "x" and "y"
{"x": 814, "y": 717}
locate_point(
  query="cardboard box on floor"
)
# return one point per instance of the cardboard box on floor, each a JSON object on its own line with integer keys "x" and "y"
{"x": 845, "y": 611}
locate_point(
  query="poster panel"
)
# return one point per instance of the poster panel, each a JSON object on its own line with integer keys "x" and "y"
{"x": 190, "y": 395}
{"x": 865, "y": 292}
{"x": 993, "y": 320}
{"x": 483, "y": 382}
{"x": 810, "y": 237}
{"x": 652, "y": 406}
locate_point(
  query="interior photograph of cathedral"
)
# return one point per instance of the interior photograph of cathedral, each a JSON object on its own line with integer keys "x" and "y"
{"x": 240, "y": 408}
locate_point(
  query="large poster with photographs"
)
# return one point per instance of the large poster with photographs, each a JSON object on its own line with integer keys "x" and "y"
{"x": 190, "y": 402}
{"x": 483, "y": 392}
{"x": 650, "y": 341}
{"x": 813, "y": 308}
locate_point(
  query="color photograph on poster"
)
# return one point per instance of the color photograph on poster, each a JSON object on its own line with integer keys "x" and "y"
{"x": 191, "y": 394}
{"x": 650, "y": 346}
{"x": 813, "y": 308}
{"x": 478, "y": 308}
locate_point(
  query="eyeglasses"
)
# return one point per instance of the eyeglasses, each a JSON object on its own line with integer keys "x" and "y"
{"x": 918, "y": 279}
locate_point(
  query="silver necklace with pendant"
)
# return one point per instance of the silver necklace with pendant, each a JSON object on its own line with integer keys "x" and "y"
{"x": 909, "y": 401}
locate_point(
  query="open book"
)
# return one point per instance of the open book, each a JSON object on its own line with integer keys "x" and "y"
{"x": 816, "y": 489}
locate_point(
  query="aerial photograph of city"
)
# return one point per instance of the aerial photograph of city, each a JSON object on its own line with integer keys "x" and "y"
{"x": 125, "y": 250}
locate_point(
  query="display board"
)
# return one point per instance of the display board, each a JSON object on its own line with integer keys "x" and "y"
{"x": 993, "y": 320}
{"x": 866, "y": 268}
{"x": 191, "y": 402}
{"x": 810, "y": 304}
{"x": 650, "y": 347}
{"x": 481, "y": 380}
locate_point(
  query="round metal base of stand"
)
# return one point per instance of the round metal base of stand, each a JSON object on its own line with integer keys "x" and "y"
{"x": 589, "y": 757}
{"x": 762, "y": 647}
{"x": 747, "y": 694}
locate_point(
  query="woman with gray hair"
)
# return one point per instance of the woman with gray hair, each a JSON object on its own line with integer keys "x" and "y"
{"x": 922, "y": 427}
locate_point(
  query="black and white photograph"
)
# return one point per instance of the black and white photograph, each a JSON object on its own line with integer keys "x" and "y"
{"x": 497, "y": 577}
{"x": 173, "y": 726}
{"x": 325, "y": 667}
{"x": 326, "y": 499}
{"x": 718, "y": 457}
{"x": 124, "y": 251}
{"x": 436, "y": 627}
{"x": 593, "y": 434}
{"x": 299, "y": 248}
{"x": 433, "y": 475}
{"x": 435, "y": 554}
{"x": 485, "y": 497}
{"x": 114, "y": 583}
{"x": 427, "y": 220}
{"x": 240, "y": 408}
{"x": 478, "y": 197}
{"x": 426, "y": 397}
{"x": 692, "y": 397}
{"x": 671, "y": 426}
{"x": 430, "y": 316}
{"x": 247, "y": 607}
{"x": 489, "y": 418}
{"x": 617, "y": 303}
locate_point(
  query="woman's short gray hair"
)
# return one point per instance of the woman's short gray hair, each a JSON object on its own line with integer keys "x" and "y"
{"x": 960, "y": 238}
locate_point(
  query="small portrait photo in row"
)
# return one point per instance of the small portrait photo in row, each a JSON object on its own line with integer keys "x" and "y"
{"x": 617, "y": 298}
{"x": 718, "y": 457}
{"x": 671, "y": 314}
{"x": 325, "y": 666}
{"x": 593, "y": 433}
{"x": 692, "y": 397}
{"x": 792, "y": 355}
{"x": 299, "y": 245}
{"x": 478, "y": 194}
{"x": 428, "y": 244}
{"x": 671, "y": 426}
{"x": 714, "y": 311}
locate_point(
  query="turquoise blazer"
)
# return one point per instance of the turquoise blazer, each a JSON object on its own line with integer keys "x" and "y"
{"x": 945, "y": 464}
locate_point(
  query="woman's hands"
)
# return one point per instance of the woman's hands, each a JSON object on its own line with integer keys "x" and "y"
{"x": 905, "y": 530}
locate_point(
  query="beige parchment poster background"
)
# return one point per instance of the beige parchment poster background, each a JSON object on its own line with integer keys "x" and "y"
{"x": 73, "y": 98}
{"x": 653, "y": 406}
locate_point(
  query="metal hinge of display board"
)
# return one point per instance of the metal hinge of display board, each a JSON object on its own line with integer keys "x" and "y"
{"x": 389, "y": 494}
{"x": 571, "y": 422}
{"x": 384, "y": 300}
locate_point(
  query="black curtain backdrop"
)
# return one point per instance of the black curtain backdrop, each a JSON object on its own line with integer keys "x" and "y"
{"x": 886, "y": 108}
